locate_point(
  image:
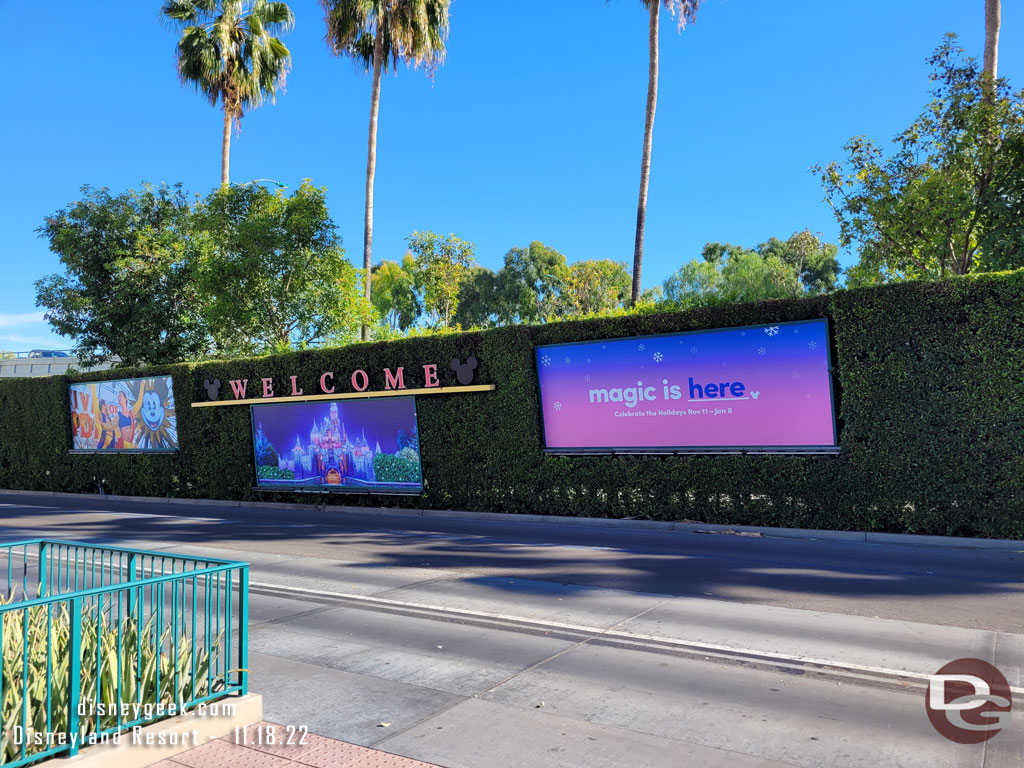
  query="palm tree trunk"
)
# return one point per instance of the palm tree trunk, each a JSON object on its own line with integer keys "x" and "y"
{"x": 645, "y": 164}
{"x": 371, "y": 168}
{"x": 225, "y": 149}
{"x": 992, "y": 19}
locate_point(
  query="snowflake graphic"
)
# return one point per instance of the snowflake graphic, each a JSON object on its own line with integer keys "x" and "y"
{"x": 568, "y": 360}
{"x": 693, "y": 350}
{"x": 796, "y": 375}
{"x": 587, "y": 377}
{"x": 812, "y": 345}
{"x": 761, "y": 350}
{"x": 772, "y": 331}
{"x": 658, "y": 357}
{"x": 640, "y": 347}
{"x": 558, "y": 405}
{"x": 545, "y": 361}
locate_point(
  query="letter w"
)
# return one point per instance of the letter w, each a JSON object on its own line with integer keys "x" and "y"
{"x": 239, "y": 387}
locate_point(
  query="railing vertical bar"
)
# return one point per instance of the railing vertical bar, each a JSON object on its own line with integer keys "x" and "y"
{"x": 158, "y": 630}
{"x": 117, "y": 701}
{"x": 206, "y": 626}
{"x": 44, "y": 569}
{"x": 24, "y": 682}
{"x": 195, "y": 644}
{"x": 49, "y": 667}
{"x": 138, "y": 641}
{"x": 217, "y": 620}
{"x": 74, "y": 672}
{"x": 99, "y": 658}
{"x": 243, "y": 627}
{"x": 24, "y": 573}
{"x": 174, "y": 635}
{"x": 228, "y": 621}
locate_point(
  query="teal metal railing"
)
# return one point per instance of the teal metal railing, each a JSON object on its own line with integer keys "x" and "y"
{"x": 95, "y": 640}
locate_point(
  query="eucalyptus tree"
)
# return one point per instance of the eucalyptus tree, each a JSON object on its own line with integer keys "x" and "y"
{"x": 229, "y": 51}
{"x": 685, "y": 11}
{"x": 377, "y": 34}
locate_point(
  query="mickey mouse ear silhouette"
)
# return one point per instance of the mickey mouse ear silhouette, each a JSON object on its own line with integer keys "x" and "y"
{"x": 455, "y": 364}
{"x": 471, "y": 363}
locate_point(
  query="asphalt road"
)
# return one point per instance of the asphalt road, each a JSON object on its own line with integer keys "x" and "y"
{"x": 482, "y": 692}
{"x": 945, "y": 586}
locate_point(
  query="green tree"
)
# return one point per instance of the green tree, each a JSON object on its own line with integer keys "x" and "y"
{"x": 694, "y": 283}
{"x": 685, "y": 11}
{"x": 775, "y": 269}
{"x": 378, "y": 34}
{"x": 1002, "y": 210}
{"x": 128, "y": 288}
{"x": 595, "y": 286}
{"x": 816, "y": 263}
{"x": 230, "y": 53}
{"x": 479, "y": 299}
{"x": 530, "y": 284}
{"x": 922, "y": 211}
{"x": 396, "y": 297}
{"x": 273, "y": 272}
{"x": 442, "y": 264}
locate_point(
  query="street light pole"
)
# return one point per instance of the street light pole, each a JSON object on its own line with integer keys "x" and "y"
{"x": 276, "y": 183}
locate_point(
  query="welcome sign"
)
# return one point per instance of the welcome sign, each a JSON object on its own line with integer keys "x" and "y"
{"x": 765, "y": 388}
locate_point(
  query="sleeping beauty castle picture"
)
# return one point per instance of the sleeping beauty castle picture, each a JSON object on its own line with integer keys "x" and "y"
{"x": 330, "y": 455}
{"x": 369, "y": 445}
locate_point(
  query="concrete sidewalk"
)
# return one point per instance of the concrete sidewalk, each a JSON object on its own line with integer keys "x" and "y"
{"x": 317, "y": 752}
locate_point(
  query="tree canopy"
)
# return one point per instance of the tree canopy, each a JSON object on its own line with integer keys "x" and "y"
{"x": 272, "y": 271}
{"x": 947, "y": 199}
{"x": 774, "y": 269}
{"x": 129, "y": 282}
{"x": 152, "y": 277}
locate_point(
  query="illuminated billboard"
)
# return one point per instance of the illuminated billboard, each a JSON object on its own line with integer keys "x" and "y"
{"x": 760, "y": 388}
{"x": 365, "y": 445}
{"x": 124, "y": 415}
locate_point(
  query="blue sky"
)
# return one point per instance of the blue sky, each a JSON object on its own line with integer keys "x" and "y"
{"x": 531, "y": 131}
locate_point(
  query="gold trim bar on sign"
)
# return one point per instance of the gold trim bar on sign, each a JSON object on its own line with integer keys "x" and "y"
{"x": 349, "y": 395}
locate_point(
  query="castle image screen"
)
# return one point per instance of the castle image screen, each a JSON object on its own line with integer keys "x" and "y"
{"x": 369, "y": 446}
{"x": 764, "y": 388}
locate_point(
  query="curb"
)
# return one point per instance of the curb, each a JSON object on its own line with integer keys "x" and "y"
{"x": 900, "y": 539}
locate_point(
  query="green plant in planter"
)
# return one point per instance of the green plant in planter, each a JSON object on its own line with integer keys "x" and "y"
{"x": 133, "y": 658}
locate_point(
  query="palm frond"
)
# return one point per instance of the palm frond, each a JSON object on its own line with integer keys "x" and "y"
{"x": 410, "y": 31}
{"x": 228, "y": 49}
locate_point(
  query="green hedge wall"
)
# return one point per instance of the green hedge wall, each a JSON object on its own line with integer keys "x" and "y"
{"x": 930, "y": 406}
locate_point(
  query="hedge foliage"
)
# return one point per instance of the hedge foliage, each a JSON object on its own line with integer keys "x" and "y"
{"x": 930, "y": 406}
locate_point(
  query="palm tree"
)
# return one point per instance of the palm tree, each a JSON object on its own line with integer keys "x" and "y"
{"x": 686, "y": 11}
{"x": 377, "y": 34}
{"x": 992, "y": 18}
{"x": 229, "y": 51}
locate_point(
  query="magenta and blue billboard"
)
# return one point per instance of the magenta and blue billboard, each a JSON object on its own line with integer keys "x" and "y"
{"x": 758, "y": 388}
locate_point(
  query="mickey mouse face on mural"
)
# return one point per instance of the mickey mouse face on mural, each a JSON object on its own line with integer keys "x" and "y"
{"x": 464, "y": 370}
{"x": 212, "y": 388}
{"x": 152, "y": 410}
